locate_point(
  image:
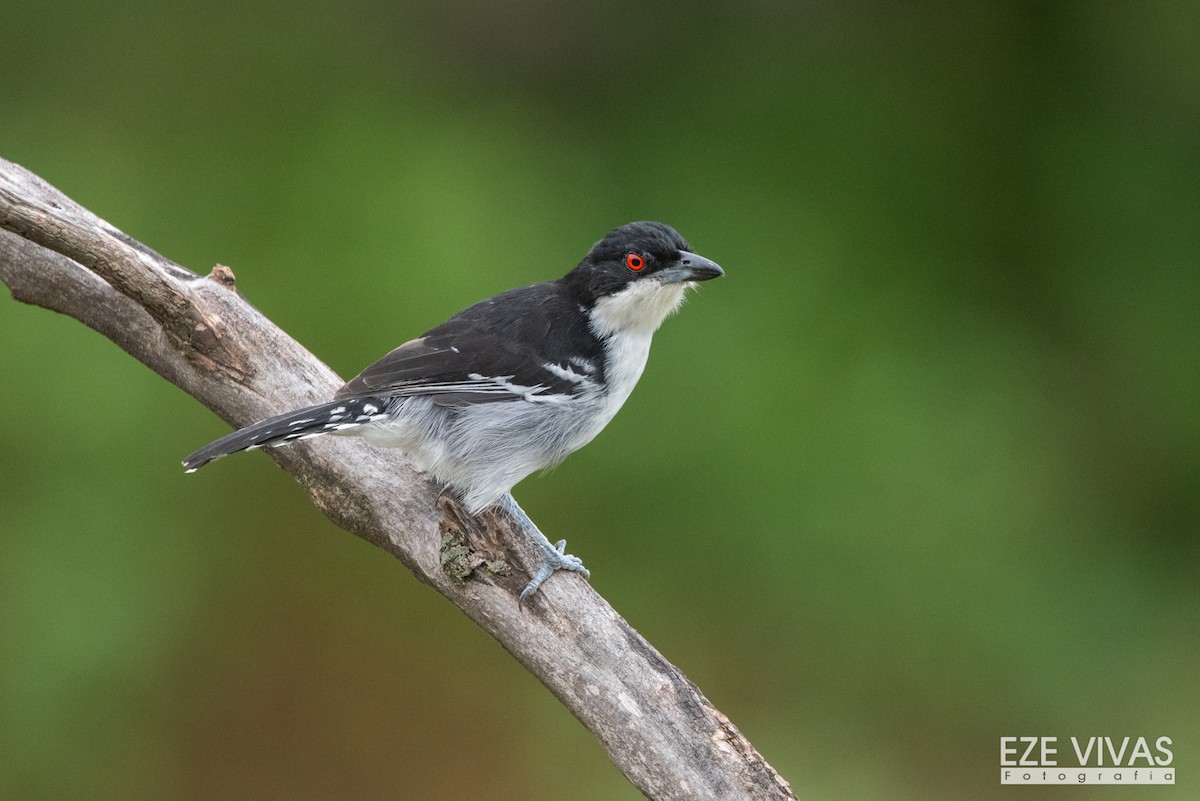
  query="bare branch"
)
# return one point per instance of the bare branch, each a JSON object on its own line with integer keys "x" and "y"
{"x": 202, "y": 336}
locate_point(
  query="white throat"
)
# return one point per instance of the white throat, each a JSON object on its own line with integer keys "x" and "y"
{"x": 626, "y": 321}
{"x": 640, "y": 307}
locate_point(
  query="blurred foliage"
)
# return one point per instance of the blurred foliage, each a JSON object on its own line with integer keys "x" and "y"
{"x": 921, "y": 472}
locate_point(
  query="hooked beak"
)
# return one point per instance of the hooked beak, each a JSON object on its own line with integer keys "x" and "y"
{"x": 690, "y": 267}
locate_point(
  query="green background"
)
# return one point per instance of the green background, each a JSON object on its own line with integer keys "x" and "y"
{"x": 921, "y": 472}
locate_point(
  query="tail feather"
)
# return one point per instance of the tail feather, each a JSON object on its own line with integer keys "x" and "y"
{"x": 311, "y": 421}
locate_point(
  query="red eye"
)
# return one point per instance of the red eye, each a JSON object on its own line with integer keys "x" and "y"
{"x": 634, "y": 262}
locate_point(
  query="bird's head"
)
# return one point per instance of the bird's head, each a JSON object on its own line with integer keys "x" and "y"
{"x": 636, "y": 276}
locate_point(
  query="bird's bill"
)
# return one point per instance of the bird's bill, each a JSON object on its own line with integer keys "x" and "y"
{"x": 690, "y": 267}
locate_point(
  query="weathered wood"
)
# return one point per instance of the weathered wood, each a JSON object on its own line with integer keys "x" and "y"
{"x": 198, "y": 333}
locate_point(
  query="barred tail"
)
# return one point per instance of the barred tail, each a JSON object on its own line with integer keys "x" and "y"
{"x": 312, "y": 421}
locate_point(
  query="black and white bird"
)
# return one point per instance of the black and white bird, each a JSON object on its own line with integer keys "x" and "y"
{"x": 512, "y": 384}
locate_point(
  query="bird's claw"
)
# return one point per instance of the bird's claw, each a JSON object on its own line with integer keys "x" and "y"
{"x": 556, "y": 559}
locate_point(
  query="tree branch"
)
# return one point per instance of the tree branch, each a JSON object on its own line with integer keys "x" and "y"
{"x": 202, "y": 336}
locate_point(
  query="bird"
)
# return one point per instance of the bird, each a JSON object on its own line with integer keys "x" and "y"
{"x": 513, "y": 384}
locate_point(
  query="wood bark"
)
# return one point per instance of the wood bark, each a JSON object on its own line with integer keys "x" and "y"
{"x": 201, "y": 335}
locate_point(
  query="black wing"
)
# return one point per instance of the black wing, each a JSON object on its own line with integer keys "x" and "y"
{"x": 523, "y": 345}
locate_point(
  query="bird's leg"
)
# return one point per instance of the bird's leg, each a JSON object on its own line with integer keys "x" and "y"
{"x": 556, "y": 558}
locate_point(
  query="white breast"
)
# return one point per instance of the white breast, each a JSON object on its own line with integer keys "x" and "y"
{"x": 625, "y": 359}
{"x": 626, "y": 322}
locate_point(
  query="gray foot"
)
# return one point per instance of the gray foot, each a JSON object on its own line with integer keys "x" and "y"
{"x": 556, "y": 557}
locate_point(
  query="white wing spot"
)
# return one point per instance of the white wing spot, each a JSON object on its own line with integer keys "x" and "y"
{"x": 565, "y": 373}
{"x": 587, "y": 365}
